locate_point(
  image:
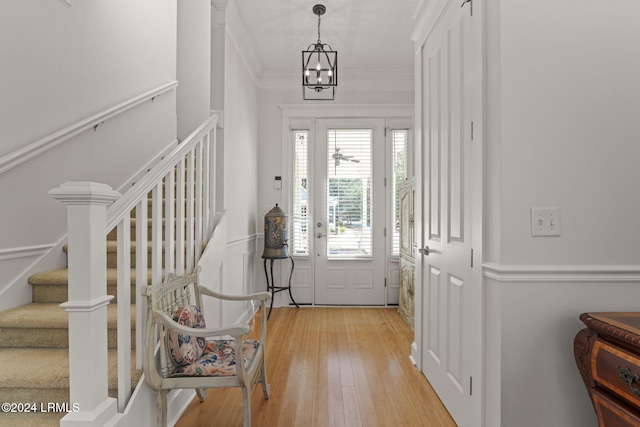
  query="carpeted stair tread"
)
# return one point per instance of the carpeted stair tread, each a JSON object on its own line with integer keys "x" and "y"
{"x": 46, "y": 368}
{"x": 39, "y": 419}
{"x": 50, "y": 316}
{"x": 112, "y": 247}
{"x": 40, "y": 368}
{"x": 52, "y": 286}
{"x": 60, "y": 276}
{"x": 47, "y": 326}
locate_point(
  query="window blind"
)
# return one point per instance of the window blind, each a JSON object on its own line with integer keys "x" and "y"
{"x": 299, "y": 239}
{"x": 399, "y": 147}
{"x": 349, "y": 195}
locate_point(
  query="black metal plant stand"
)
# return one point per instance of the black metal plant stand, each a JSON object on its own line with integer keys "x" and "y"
{"x": 271, "y": 285}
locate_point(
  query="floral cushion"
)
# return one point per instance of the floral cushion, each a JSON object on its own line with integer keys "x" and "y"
{"x": 185, "y": 349}
{"x": 219, "y": 359}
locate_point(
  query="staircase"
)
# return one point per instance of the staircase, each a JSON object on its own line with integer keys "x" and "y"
{"x": 34, "y": 357}
{"x": 34, "y": 338}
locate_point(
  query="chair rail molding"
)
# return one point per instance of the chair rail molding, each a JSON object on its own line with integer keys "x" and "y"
{"x": 561, "y": 273}
{"x": 29, "y": 151}
{"x": 24, "y": 252}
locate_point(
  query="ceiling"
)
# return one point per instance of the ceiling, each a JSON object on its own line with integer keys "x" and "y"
{"x": 369, "y": 35}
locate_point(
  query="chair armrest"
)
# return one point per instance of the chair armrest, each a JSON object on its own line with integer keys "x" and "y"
{"x": 262, "y": 296}
{"x": 236, "y": 330}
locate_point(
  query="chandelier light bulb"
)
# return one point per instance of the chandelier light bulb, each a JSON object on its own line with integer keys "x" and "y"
{"x": 318, "y": 67}
{"x": 306, "y": 73}
{"x": 329, "y": 73}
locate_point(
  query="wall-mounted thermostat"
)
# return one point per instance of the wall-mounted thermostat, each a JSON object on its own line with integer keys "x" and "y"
{"x": 277, "y": 183}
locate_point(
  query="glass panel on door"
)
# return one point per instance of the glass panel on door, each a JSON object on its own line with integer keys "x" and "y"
{"x": 349, "y": 180}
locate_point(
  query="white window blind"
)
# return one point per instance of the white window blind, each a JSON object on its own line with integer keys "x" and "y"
{"x": 399, "y": 146}
{"x": 349, "y": 204}
{"x": 299, "y": 239}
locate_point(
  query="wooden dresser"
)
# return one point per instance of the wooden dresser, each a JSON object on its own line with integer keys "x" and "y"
{"x": 607, "y": 353}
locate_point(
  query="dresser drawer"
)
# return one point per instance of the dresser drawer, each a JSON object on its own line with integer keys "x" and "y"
{"x": 616, "y": 370}
{"x": 613, "y": 413}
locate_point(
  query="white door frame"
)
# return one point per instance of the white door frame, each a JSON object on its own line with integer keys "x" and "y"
{"x": 302, "y": 116}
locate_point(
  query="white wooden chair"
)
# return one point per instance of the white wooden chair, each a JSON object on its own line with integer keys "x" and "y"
{"x": 193, "y": 356}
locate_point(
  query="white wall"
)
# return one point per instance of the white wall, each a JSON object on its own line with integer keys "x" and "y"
{"x": 241, "y": 145}
{"x": 234, "y": 89}
{"x": 570, "y": 98}
{"x": 562, "y": 101}
{"x": 193, "y": 64}
{"x": 61, "y": 65}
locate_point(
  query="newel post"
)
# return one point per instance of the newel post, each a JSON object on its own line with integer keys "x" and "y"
{"x": 87, "y": 204}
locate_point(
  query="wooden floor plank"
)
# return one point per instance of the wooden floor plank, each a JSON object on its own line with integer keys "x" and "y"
{"x": 332, "y": 367}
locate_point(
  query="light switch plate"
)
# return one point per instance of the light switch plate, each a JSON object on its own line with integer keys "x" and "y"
{"x": 545, "y": 221}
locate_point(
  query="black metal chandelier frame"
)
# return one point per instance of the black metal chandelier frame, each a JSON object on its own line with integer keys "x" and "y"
{"x": 319, "y": 82}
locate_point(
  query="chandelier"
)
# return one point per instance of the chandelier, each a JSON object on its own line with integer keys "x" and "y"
{"x": 319, "y": 67}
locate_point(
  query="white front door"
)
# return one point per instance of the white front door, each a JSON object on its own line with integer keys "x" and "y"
{"x": 349, "y": 212}
{"x": 450, "y": 298}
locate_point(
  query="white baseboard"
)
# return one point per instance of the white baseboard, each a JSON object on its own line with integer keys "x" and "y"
{"x": 178, "y": 402}
{"x": 414, "y": 354}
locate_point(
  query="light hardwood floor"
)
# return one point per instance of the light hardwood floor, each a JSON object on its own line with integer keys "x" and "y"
{"x": 331, "y": 367}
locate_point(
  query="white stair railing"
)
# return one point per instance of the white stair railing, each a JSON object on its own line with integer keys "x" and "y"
{"x": 180, "y": 191}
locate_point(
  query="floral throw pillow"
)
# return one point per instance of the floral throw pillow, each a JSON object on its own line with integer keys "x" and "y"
{"x": 186, "y": 349}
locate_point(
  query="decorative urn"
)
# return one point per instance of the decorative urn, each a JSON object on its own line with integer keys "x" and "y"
{"x": 276, "y": 235}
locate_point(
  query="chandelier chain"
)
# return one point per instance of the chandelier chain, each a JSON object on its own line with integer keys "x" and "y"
{"x": 318, "y": 28}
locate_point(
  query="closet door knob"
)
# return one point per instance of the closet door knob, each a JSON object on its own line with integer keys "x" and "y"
{"x": 424, "y": 251}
